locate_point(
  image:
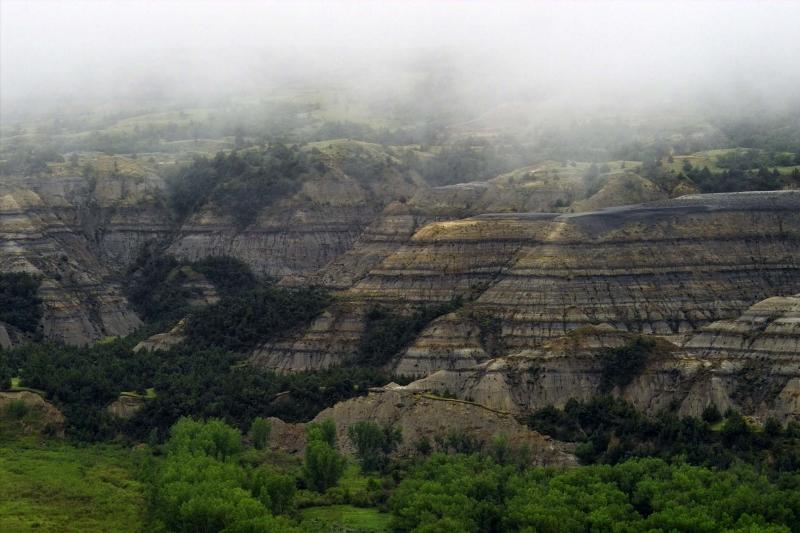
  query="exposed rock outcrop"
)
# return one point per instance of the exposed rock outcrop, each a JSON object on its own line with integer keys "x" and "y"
{"x": 300, "y": 234}
{"x": 668, "y": 267}
{"x": 392, "y": 229}
{"x": 425, "y": 416}
{"x": 6, "y": 341}
{"x": 42, "y": 416}
{"x": 743, "y": 364}
{"x": 451, "y": 342}
{"x": 163, "y": 341}
{"x": 81, "y": 301}
{"x": 769, "y": 328}
{"x": 664, "y": 268}
{"x": 626, "y": 188}
{"x": 331, "y": 339}
{"x": 127, "y": 405}
{"x": 79, "y": 234}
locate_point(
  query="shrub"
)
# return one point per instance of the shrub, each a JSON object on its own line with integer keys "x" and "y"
{"x": 423, "y": 446}
{"x": 772, "y": 427}
{"x": 711, "y": 414}
{"x": 17, "y": 409}
{"x": 610, "y": 430}
{"x": 156, "y": 283}
{"x": 19, "y": 304}
{"x": 241, "y": 322}
{"x": 6, "y": 371}
{"x": 242, "y": 184}
{"x": 621, "y": 365}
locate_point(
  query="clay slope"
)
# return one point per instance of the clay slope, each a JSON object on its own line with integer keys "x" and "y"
{"x": 298, "y": 235}
{"x": 50, "y": 228}
{"x": 665, "y": 268}
{"x": 81, "y": 234}
{"x": 770, "y": 328}
{"x": 424, "y": 416}
{"x": 751, "y": 364}
{"x": 546, "y": 188}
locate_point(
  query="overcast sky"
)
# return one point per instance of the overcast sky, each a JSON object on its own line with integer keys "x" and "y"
{"x": 70, "y": 47}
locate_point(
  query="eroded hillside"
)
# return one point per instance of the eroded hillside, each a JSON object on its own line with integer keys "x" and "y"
{"x": 750, "y": 364}
{"x": 665, "y": 268}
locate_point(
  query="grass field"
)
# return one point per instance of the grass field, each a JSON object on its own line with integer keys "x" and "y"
{"x": 347, "y": 516}
{"x": 61, "y": 487}
{"x": 709, "y": 158}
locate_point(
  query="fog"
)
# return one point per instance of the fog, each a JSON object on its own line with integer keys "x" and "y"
{"x": 480, "y": 53}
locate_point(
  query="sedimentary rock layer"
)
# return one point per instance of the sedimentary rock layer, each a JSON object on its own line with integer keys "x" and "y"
{"x": 298, "y": 235}
{"x": 452, "y": 342}
{"x": 330, "y": 340}
{"x": 665, "y": 268}
{"x": 769, "y": 328}
{"x": 750, "y": 364}
{"x": 81, "y": 301}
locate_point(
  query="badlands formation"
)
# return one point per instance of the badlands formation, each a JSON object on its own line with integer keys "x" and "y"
{"x": 537, "y": 294}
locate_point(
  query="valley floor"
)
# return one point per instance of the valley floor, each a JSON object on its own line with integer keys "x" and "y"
{"x": 52, "y": 486}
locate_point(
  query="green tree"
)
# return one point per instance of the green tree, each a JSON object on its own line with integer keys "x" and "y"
{"x": 213, "y": 438}
{"x": 323, "y": 465}
{"x": 202, "y": 485}
{"x": 470, "y": 493}
{"x": 373, "y": 444}
{"x": 274, "y": 490}
{"x": 451, "y": 493}
{"x": 324, "y": 431}
{"x": 259, "y": 432}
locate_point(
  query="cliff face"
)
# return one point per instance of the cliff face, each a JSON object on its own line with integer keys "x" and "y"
{"x": 163, "y": 341}
{"x": 665, "y": 268}
{"x": 74, "y": 234}
{"x": 116, "y": 210}
{"x": 751, "y": 364}
{"x": 770, "y": 328}
{"x": 382, "y": 235}
{"x": 619, "y": 190}
{"x": 330, "y": 340}
{"x": 81, "y": 234}
{"x": 548, "y": 187}
{"x": 299, "y": 235}
{"x": 452, "y": 342}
